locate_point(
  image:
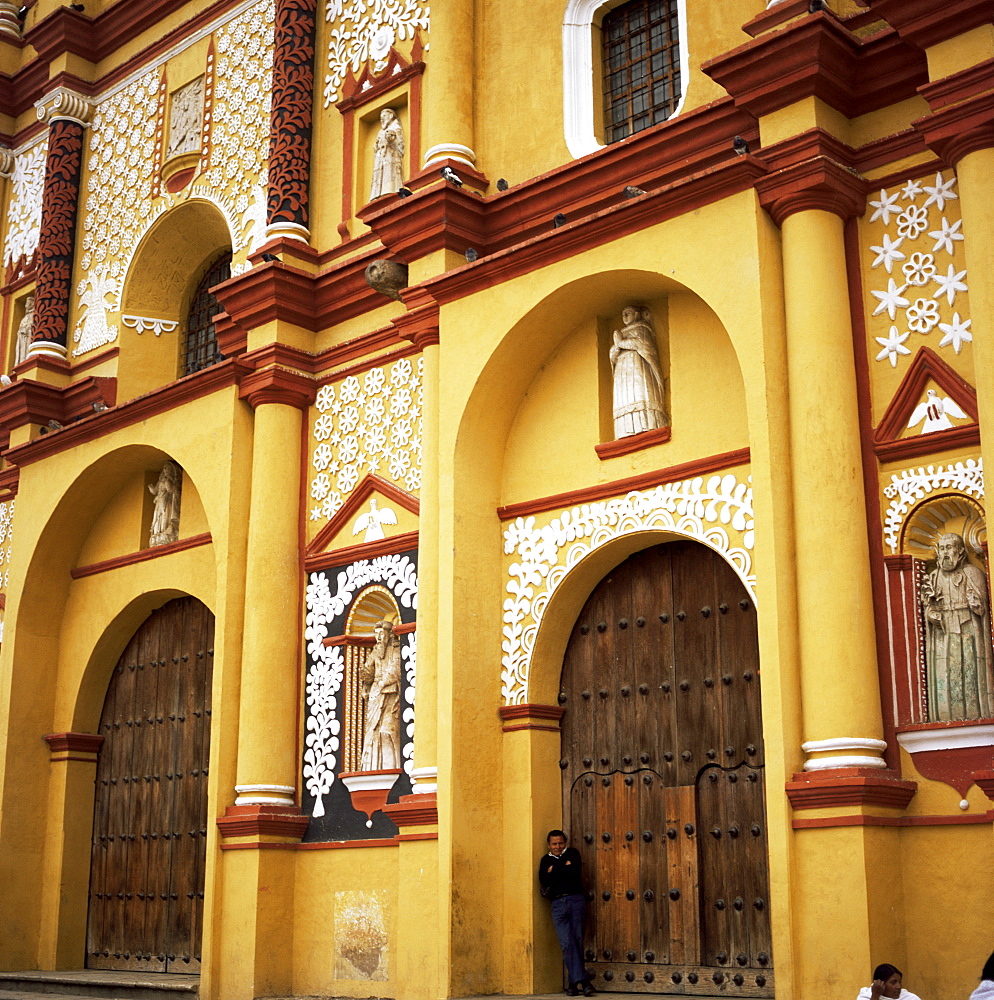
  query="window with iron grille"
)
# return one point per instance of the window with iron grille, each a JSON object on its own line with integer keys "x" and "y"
{"x": 641, "y": 46}
{"x": 200, "y": 345}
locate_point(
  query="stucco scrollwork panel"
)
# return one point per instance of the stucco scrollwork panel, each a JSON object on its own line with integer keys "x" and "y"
{"x": 717, "y": 512}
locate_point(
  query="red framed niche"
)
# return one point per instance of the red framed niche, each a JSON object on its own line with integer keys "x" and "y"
{"x": 396, "y": 86}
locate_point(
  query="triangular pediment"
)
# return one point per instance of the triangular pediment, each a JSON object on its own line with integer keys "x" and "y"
{"x": 934, "y": 408}
{"x": 375, "y": 512}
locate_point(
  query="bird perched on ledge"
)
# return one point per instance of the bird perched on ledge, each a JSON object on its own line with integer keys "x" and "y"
{"x": 451, "y": 176}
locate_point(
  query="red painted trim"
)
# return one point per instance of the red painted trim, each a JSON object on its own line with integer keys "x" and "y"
{"x": 818, "y": 56}
{"x": 815, "y": 791}
{"x": 139, "y": 557}
{"x": 531, "y": 726}
{"x": 819, "y": 183}
{"x": 370, "y": 484}
{"x": 634, "y": 442}
{"x": 386, "y": 337}
{"x": 953, "y": 438}
{"x": 956, "y": 130}
{"x": 88, "y": 743}
{"x": 827, "y": 822}
{"x": 967, "y": 83}
{"x": 416, "y": 836}
{"x": 874, "y": 519}
{"x": 277, "y": 385}
{"x": 926, "y": 23}
{"x": 985, "y": 780}
{"x": 162, "y": 400}
{"x": 688, "y": 470}
{"x": 927, "y": 365}
{"x": 393, "y": 545}
{"x": 533, "y": 711}
{"x": 82, "y": 760}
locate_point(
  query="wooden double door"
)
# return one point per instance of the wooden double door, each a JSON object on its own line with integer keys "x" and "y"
{"x": 662, "y": 764}
{"x": 150, "y": 806}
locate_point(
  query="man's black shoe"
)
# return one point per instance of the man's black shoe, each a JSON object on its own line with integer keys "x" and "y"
{"x": 588, "y": 990}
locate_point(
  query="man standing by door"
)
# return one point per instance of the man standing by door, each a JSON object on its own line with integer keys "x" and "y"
{"x": 560, "y": 873}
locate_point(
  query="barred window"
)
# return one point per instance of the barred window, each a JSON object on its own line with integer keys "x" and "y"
{"x": 641, "y": 48}
{"x": 200, "y": 343}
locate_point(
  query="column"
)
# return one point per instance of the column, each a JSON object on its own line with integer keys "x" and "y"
{"x": 67, "y": 114}
{"x": 288, "y": 212}
{"x": 449, "y": 84}
{"x": 840, "y": 694}
{"x": 257, "y": 884}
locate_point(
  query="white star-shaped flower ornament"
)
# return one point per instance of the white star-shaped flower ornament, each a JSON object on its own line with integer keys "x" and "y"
{"x": 911, "y": 190}
{"x": 947, "y": 235}
{"x": 885, "y": 207}
{"x": 940, "y": 192}
{"x": 949, "y": 284}
{"x": 888, "y": 253}
{"x": 893, "y": 346}
{"x": 891, "y": 300}
{"x": 956, "y": 333}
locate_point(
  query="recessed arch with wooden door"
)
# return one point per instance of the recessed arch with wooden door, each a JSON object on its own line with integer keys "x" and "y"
{"x": 662, "y": 777}
{"x": 148, "y": 850}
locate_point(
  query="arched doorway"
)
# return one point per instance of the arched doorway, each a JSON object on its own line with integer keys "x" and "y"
{"x": 150, "y": 805}
{"x": 662, "y": 757}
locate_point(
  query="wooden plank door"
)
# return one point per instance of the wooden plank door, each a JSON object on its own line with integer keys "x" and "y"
{"x": 662, "y": 759}
{"x": 150, "y": 805}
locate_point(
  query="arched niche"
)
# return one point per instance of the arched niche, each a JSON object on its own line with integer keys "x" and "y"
{"x": 162, "y": 275}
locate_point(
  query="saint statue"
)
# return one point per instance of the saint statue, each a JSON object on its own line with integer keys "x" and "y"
{"x": 958, "y": 636}
{"x": 165, "y": 511}
{"x": 388, "y": 156}
{"x": 24, "y": 329}
{"x": 638, "y": 381}
{"x": 380, "y": 677}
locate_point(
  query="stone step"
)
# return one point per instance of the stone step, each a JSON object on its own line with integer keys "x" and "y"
{"x": 97, "y": 984}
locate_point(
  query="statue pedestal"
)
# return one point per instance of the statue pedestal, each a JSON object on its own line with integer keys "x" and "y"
{"x": 369, "y": 789}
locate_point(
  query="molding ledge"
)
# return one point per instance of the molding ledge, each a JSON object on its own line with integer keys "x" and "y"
{"x": 849, "y": 787}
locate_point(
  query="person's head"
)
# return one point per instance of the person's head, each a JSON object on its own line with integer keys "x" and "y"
{"x": 988, "y": 972}
{"x": 950, "y": 551}
{"x": 556, "y": 841}
{"x": 387, "y": 115}
{"x": 891, "y": 977}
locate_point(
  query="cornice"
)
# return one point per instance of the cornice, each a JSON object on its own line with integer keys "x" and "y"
{"x": 413, "y": 810}
{"x": 925, "y": 22}
{"x": 192, "y": 542}
{"x": 74, "y": 746}
{"x": 275, "y": 384}
{"x": 959, "y": 86}
{"x": 391, "y": 545}
{"x": 818, "y": 184}
{"x": 262, "y": 821}
{"x": 269, "y": 292}
{"x": 817, "y": 56}
{"x": 957, "y": 130}
{"x": 634, "y": 442}
{"x": 185, "y": 390}
{"x": 603, "y": 491}
{"x": 63, "y": 31}
{"x": 29, "y": 402}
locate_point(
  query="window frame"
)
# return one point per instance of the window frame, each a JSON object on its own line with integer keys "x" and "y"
{"x": 581, "y": 72}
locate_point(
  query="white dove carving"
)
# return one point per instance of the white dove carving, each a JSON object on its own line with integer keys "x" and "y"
{"x": 935, "y": 412}
{"x": 373, "y": 521}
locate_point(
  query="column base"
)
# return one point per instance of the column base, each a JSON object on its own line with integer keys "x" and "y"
{"x": 282, "y": 822}
{"x": 849, "y": 786}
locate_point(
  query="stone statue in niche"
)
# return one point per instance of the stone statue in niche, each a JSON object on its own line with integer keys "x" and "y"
{"x": 380, "y": 678}
{"x": 185, "y": 119}
{"x": 958, "y": 636}
{"x": 165, "y": 511}
{"x": 388, "y": 156}
{"x": 638, "y": 381}
{"x": 24, "y": 329}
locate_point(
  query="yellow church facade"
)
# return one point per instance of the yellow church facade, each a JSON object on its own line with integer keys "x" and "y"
{"x": 427, "y": 426}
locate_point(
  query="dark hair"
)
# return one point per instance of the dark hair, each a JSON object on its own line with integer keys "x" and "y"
{"x": 988, "y": 972}
{"x": 555, "y": 833}
{"x": 885, "y": 971}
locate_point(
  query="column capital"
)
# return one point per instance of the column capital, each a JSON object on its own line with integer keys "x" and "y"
{"x": 818, "y": 184}
{"x": 74, "y": 746}
{"x": 420, "y": 324}
{"x": 277, "y": 385}
{"x": 6, "y": 163}
{"x": 67, "y": 104}
{"x": 283, "y": 822}
{"x": 959, "y": 129}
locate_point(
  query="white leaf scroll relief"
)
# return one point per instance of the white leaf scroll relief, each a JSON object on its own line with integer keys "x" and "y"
{"x": 326, "y": 666}
{"x": 717, "y": 512}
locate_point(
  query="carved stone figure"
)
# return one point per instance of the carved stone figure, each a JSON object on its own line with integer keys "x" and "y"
{"x": 185, "y": 119}
{"x": 388, "y": 156}
{"x": 24, "y": 331}
{"x": 165, "y": 512}
{"x": 387, "y": 277}
{"x": 638, "y": 381}
{"x": 958, "y": 639}
{"x": 380, "y": 678}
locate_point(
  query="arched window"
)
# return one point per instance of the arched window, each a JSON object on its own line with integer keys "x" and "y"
{"x": 640, "y": 51}
{"x": 200, "y": 342}
{"x": 634, "y": 54}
